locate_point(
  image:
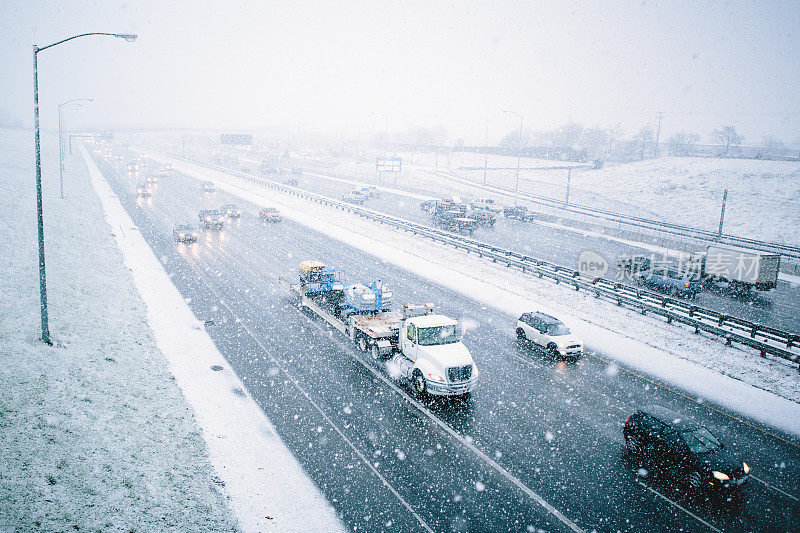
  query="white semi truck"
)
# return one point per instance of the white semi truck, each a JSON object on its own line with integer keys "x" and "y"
{"x": 421, "y": 348}
{"x": 742, "y": 268}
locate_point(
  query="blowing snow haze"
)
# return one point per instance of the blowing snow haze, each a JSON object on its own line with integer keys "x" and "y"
{"x": 326, "y": 66}
{"x": 406, "y": 266}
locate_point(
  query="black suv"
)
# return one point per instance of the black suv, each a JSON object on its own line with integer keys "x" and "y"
{"x": 683, "y": 448}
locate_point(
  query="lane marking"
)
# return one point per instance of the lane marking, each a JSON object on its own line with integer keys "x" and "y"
{"x": 679, "y": 506}
{"x": 361, "y": 456}
{"x": 297, "y": 385}
{"x": 463, "y": 441}
{"x": 795, "y": 498}
{"x": 613, "y": 402}
{"x": 621, "y": 409}
{"x": 421, "y": 408}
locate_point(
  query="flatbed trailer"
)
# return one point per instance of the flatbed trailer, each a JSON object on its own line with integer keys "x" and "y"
{"x": 423, "y": 349}
{"x": 377, "y": 332}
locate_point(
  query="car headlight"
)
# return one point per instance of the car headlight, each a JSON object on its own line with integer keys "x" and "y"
{"x": 720, "y": 475}
{"x": 746, "y": 468}
{"x": 208, "y": 219}
{"x": 433, "y": 376}
{"x": 181, "y": 235}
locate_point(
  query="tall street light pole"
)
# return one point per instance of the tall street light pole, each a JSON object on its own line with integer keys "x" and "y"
{"x": 485, "y": 153}
{"x": 37, "y": 149}
{"x": 519, "y": 154}
{"x": 385, "y": 136}
{"x": 61, "y": 139}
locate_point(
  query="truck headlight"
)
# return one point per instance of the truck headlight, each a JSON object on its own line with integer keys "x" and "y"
{"x": 720, "y": 475}
{"x": 746, "y": 468}
{"x": 433, "y": 376}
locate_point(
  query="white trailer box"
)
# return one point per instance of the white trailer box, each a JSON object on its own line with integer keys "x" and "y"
{"x": 742, "y": 266}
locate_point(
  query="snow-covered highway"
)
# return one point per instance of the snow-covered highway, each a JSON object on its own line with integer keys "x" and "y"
{"x": 387, "y": 461}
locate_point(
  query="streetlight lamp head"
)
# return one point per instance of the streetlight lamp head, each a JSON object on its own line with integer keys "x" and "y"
{"x": 130, "y": 37}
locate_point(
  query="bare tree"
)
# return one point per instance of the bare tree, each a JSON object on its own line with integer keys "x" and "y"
{"x": 644, "y": 136}
{"x": 771, "y": 146}
{"x": 594, "y": 141}
{"x": 682, "y": 144}
{"x": 727, "y": 137}
{"x": 615, "y": 131}
{"x": 568, "y": 135}
{"x": 511, "y": 139}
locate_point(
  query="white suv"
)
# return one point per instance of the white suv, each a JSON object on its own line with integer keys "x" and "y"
{"x": 551, "y": 334}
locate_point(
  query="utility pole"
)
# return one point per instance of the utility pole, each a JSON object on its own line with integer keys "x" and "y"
{"x": 519, "y": 155}
{"x": 60, "y": 154}
{"x": 722, "y": 214}
{"x": 569, "y": 178}
{"x": 658, "y": 132}
{"x": 485, "y": 153}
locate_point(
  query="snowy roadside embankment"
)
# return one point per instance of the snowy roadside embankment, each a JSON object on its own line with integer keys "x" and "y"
{"x": 268, "y": 488}
{"x": 94, "y": 433}
{"x": 762, "y": 389}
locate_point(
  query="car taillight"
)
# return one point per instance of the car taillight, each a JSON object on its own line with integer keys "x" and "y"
{"x": 627, "y": 420}
{"x": 686, "y": 285}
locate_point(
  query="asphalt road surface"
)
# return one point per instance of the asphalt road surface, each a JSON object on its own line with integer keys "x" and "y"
{"x": 537, "y": 446}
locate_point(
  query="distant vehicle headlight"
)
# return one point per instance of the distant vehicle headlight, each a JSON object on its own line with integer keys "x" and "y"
{"x": 208, "y": 219}
{"x": 181, "y": 235}
{"x": 433, "y": 376}
{"x": 720, "y": 476}
{"x": 746, "y": 468}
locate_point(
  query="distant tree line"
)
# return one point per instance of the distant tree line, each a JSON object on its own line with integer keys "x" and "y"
{"x": 574, "y": 142}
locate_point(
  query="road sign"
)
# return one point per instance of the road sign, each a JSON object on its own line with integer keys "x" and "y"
{"x": 389, "y": 164}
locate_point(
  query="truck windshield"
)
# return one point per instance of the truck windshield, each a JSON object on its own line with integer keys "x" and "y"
{"x": 439, "y": 335}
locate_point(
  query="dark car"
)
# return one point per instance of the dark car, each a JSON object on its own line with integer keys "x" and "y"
{"x": 143, "y": 190}
{"x": 484, "y": 217}
{"x": 354, "y": 197}
{"x": 211, "y": 219}
{"x": 518, "y": 212}
{"x": 428, "y": 206}
{"x": 670, "y": 280}
{"x": 185, "y": 233}
{"x": 683, "y": 448}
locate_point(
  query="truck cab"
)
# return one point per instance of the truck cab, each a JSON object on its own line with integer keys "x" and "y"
{"x": 433, "y": 357}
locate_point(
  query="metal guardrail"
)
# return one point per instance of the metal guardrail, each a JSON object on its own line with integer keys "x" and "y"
{"x": 764, "y": 339}
{"x": 631, "y": 220}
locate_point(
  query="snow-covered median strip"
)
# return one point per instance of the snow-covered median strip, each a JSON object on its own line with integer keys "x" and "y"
{"x": 739, "y": 380}
{"x": 268, "y": 488}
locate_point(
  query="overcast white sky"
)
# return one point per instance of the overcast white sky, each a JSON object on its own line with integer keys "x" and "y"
{"x": 325, "y": 66}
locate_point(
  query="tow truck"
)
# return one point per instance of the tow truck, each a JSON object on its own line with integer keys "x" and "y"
{"x": 421, "y": 349}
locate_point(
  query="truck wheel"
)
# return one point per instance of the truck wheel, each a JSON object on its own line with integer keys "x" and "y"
{"x": 419, "y": 383}
{"x": 376, "y": 354}
{"x": 520, "y": 334}
{"x": 362, "y": 344}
